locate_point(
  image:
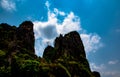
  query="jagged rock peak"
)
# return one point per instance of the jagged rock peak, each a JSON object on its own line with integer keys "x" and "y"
{"x": 47, "y": 52}
{"x": 69, "y": 51}
{"x": 25, "y": 34}
{"x": 70, "y": 45}
{"x": 13, "y": 38}
{"x": 70, "y": 42}
{"x": 28, "y": 25}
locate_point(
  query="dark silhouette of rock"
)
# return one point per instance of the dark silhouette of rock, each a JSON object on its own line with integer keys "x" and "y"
{"x": 48, "y": 55}
{"x": 25, "y": 35}
{"x": 7, "y": 34}
{"x": 21, "y": 37}
{"x": 13, "y": 40}
{"x": 96, "y": 74}
{"x": 17, "y": 56}
{"x": 71, "y": 43}
{"x": 69, "y": 52}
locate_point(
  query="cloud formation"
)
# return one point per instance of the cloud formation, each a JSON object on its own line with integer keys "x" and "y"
{"x": 104, "y": 70}
{"x": 95, "y": 67}
{"x": 91, "y": 42}
{"x": 112, "y": 62}
{"x": 47, "y": 31}
{"x": 8, "y": 5}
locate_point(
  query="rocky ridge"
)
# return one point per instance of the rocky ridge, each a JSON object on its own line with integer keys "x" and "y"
{"x": 17, "y": 56}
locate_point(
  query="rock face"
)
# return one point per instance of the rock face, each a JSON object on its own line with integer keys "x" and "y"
{"x": 17, "y": 56}
{"x": 69, "y": 51}
{"x": 12, "y": 38}
{"x": 26, "y": 36}
{"x": 69, "y": 45}
{"x": 16, "y": 40}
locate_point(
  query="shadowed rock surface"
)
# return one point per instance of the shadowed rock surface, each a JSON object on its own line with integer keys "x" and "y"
{"x": 17, "y": 56}
{"x": 21, "y": 37}
{"x": 69, "y": 51}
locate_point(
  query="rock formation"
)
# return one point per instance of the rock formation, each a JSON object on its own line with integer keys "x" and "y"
{"x": 21, "y": 37}
{"x": 25, "y": 35}
{"x": 17, "y": 56}
{"x": 69, "y": 51}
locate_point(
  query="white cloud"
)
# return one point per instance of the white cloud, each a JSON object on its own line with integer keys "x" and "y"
{"x": 113, "y": 62}
{"x": 45, "y": 30}
{"x": 59, "y": 12}
{"x": 70, "y": 23}
{"x": 104, "y": 70}
{"x": 98, "y": 68}
{"x": 51, "y": 28}
{"x": 8, "y": 5}
{"x": 111, "y": 74}
{"x": 91, "y": 42}
{"x": 47, "y": 4}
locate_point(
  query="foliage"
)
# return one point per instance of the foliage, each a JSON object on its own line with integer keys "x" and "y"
{"x": 5, "y": 71}
{"x": 2, "y": 53}
{"x": 24, "y": 67}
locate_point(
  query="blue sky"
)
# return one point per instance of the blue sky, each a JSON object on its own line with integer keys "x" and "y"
{"x": 97, "y": 21}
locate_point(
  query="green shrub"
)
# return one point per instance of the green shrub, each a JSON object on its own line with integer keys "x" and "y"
{"x": 5, "y": 71}
{"x": 2, "y": 53}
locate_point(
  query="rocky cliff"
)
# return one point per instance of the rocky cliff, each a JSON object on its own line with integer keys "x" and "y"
{"x": 69, "y": 51}
{"x": 17, "y": 59}
{"x": 13, "y": 38}
{"x": 68, "y": 46}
